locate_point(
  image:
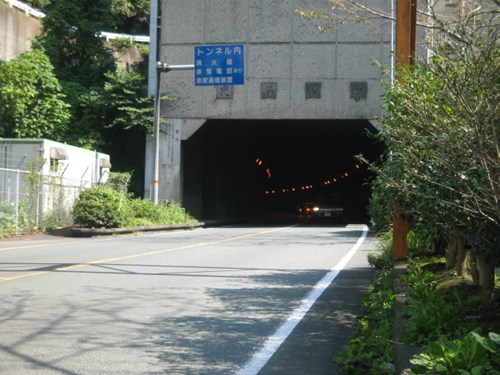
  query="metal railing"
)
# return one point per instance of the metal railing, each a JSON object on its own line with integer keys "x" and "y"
{"x": 25, "y": 8}
{"x": 30, "y": 200}
{"x": 135, "y": 38}
{"x": 104, "y": 34}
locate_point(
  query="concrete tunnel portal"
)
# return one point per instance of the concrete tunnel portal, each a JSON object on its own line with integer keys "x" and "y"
{"x": 265, "y": 168}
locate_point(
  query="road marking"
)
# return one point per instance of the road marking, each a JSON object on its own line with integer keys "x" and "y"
{"x": 96, "y": 239}
{"x": 272, "y": 344}
{"x": 132, "y": 256}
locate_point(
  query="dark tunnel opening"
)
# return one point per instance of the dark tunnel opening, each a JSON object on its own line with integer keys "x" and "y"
{"x": 266, "y": 168}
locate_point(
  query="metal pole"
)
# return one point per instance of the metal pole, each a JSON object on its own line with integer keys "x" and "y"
{"x": 17, "y": 201}
{"x": 393, "y": 39}
{"x": 156, "y": 140}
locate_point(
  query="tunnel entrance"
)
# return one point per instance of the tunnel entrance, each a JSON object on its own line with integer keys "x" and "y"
{"x": 263, "y": 168}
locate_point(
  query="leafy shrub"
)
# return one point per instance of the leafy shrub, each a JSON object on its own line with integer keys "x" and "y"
{"x": 430, "y": 311}
{"x": 119, "y": 181}
{"x": 141, "y": 212}
{"x": 121, "y": 44}
{"x": 25, "y": 222}
{"x": 7, "y": 217}
{"x": 382, "y": 258}
{"x": 100, "y": 207}
{"x": 144, "y": 212}
{"x": 379, "y": 208}
{"x": 174, "y": 213}
{"x": 474, "y": 354}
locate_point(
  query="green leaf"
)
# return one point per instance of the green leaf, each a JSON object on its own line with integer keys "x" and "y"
{"x": 495, "y": 337}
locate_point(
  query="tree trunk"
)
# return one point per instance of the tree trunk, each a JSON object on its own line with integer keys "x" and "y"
{"x": 451, "y": 252}
{"x": 461, "y": 259}
{"x": 473, "y": 267}
{"x": 486, "y": 268}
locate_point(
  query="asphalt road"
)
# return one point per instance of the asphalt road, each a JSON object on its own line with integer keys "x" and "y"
{"x": 235, "y": 300}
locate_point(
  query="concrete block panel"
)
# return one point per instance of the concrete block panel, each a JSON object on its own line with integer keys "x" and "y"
{"x": 313, "y": 60}
{"x": 187, "y": 98}
{"x": 368, "y": 27}
{"x": 356, "y": 99}
{"x": 376, "y": 31}
{"x": 315, "y": 106}
{"x": 182, "y": 21}
{"x": 226, "y": 21}
{"x": 355, "y": 61}
{"x": 178, "y": 55}
{"x": 307, "y": 30}
{"x": 278, "y": 108}
{"x": 219, "y": 107}
{"x": 268, "y": 60}
{"x": 270, "y": 20}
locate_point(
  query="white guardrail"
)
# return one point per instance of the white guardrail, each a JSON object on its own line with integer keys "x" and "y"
{"x": 136, "y": 38}
{"x": 25, "y": 8}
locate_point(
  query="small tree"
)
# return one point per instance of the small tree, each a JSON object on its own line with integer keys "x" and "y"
{"x": 442, "y": 132}
{"x": 31, "y": 100}
{"x": 71, "y": 38}
{"x": 127, "y": 104}
{"x": 442, "y": 165}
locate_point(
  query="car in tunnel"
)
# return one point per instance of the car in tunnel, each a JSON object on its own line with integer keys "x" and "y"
{"x": 320, "y": 210}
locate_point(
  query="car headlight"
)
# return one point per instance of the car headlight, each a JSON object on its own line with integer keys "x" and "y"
{"x": 316, "y": 209}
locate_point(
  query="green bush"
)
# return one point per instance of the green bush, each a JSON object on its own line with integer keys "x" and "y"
{"x": 379, "y": 208}
{"x": 430, "y": 311}
{"x": 7, "y": 218}
{"x": 119, "y": 181}
{"x": 100, "y": 207}
{"x": 382, "y": 258}
{"x": 174, "y": 213}
{"x": 141, "y": 211}
{"x": 105, "y": 206}
{"x": 144, "y": 212}
{"x": 474, "y": 354}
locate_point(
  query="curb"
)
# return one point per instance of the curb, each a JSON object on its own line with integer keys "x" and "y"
{"x": 93, "y": 232}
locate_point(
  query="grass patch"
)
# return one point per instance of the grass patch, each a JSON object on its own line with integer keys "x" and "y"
{"x": 442, "y": 315}
{"x": 371, "y": 351}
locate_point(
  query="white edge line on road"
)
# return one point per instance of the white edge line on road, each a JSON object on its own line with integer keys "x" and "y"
{"x": 272, "y": 344}
{"x": 96, "y": 239}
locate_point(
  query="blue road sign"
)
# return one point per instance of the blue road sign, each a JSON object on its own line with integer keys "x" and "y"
{"x": 219, "y": 65}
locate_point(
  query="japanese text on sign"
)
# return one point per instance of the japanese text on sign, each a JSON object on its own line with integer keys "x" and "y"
{"x": 219, "y": 65}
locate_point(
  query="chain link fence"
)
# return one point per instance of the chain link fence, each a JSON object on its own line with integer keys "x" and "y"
{"x": 31, "y": 200}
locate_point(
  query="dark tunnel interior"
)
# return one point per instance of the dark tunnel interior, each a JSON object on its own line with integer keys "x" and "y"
{"x": 266, "y": 168}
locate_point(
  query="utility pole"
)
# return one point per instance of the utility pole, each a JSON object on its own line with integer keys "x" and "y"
{"x": 406, "y": 27}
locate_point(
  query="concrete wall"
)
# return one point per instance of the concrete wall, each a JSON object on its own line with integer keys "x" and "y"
{"x": 316, "y": 75}
{"x": 17, "y": 29}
